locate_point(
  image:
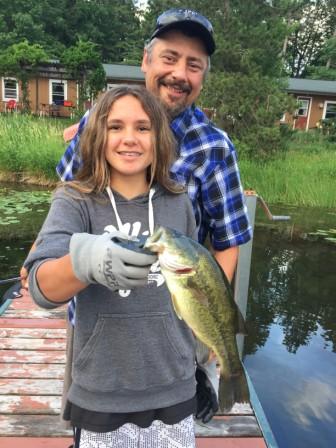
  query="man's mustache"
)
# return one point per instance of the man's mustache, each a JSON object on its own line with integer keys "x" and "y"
{"x": 176, "y": 84}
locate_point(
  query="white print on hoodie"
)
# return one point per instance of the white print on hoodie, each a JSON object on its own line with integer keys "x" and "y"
{"x": 134, "y": 230}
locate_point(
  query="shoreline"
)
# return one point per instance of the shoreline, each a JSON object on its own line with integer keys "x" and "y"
{"x": 24, "y": 178}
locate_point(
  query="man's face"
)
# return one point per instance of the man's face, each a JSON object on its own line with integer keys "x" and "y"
{"x": 174, "y": 70}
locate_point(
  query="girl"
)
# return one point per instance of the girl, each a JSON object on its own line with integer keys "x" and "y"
{"x": 133, "y": 380}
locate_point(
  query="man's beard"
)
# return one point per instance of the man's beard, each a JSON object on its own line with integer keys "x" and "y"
{"x": 174, "y": 109}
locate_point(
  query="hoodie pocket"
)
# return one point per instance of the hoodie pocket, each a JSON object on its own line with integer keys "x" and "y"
{"x": 133, "y": 352}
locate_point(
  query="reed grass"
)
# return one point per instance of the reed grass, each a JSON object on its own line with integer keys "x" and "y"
{"x": 305, "y": 175}
{"x": 31, "y": 146}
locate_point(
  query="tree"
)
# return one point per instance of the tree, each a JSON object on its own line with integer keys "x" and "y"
{"x": 84, "y": 63}
{"x": 22, "y": 60}
{"x": 314, "y": 25}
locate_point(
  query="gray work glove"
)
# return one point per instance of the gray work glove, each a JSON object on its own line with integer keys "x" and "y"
{"x": 98, "y": 259}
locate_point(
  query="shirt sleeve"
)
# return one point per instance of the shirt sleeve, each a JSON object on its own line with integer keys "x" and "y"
{"x": 54, "y": 237}
{"x": 225, "y": 214}
{"x": 70, "y": 162}
{"x": 223, "y": 199}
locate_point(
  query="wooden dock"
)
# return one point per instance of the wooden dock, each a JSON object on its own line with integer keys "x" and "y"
{"x": 32, "y": 359}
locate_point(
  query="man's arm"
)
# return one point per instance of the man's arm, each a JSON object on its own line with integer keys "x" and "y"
{"x": 227, "y": 259}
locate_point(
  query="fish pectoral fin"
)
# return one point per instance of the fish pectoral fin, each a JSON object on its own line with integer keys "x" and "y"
{"x": 175, "y": 306}
{"x": 199, "y": 296}
{"x": 241, "y": 326}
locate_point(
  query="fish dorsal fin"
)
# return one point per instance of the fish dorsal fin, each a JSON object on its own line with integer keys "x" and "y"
{"x": 175, "y": 306}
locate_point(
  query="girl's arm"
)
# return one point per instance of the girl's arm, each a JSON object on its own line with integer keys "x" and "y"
{"x": 57, "y": 281}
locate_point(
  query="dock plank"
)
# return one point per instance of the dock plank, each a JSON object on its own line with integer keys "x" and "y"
{"x": 28, "y": 386}
{"x": 23, "y": 370}
{"x": 36, "y": 357}
{"x": 34, "y": 333}
{"x": 30, "y": 404}
{"x": 17, "y": 343}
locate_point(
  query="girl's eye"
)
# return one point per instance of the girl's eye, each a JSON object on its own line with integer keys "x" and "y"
{"x": 114, "y": 127}
{"x": 144, "y": 128}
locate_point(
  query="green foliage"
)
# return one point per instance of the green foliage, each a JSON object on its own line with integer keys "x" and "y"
{"x": 249, "y": 107}
{"x": 327, "y": 127}
{"x": 113, "y": 26}
{"x": 30, "y": 145}
{"x": 21, "y": 60}
{"x": 84, "y": 64}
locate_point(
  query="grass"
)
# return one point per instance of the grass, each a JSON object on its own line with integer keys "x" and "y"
{"x": 304, "y": 175}
{"x": 31, "y": 147}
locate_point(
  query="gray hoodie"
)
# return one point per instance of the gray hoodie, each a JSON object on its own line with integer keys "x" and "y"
{"x": 131, "y": 352}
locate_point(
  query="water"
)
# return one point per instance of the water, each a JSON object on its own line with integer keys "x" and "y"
{"x": 290, "y": 352}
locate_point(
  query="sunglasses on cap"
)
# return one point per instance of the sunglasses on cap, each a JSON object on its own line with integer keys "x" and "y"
{"x": 176, "y": 15}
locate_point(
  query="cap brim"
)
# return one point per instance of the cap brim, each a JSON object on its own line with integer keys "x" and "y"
{"x": 197, "y": 29}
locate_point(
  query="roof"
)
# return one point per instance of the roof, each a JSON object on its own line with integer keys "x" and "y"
{"x": 316, "y": 86}
{"x": 125, "y": 72}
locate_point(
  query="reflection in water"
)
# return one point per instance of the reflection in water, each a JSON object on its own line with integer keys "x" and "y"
{"x": 316, "y": 401}
{"x": 290, "y": 349}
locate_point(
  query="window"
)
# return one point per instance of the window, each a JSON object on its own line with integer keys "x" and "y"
{"x": 330, "y": 109}
{"x": 303, "y": 106}
{"x": 57, "y": 91}
{"x": 10, "y": 89}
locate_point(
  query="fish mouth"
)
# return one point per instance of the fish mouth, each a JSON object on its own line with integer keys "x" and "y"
{"x": 172, "y": 265}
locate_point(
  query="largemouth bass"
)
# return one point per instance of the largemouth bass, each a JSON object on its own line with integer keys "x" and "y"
{"x": 202, "y": 297}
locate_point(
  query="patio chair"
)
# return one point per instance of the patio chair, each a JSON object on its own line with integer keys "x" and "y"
{"x": 11, "y": 106}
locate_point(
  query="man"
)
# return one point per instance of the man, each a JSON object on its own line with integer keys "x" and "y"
{"x": 175, "y": 62}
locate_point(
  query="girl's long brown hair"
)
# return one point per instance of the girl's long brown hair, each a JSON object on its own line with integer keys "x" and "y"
{"x": 94, "y": 173}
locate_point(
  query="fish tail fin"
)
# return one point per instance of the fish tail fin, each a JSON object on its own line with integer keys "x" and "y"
{"x": 225, "y": 394}
{"x": 233, "y": 389}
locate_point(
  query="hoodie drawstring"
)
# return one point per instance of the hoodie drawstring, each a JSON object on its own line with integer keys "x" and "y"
{"x": 150, "y": 210}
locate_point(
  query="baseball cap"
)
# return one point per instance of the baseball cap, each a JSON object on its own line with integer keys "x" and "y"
{"x": 186, "y": 19}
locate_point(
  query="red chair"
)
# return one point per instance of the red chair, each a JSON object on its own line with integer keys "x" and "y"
{"x": 11, "y": 106}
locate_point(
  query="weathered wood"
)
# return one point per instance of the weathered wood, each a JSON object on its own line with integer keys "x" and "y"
{"x": 32, "y": 426}
{"x": 26, "y": 356}
{"x": 32, "y": 358}
{"x": 46, "y": 333}
{"x": 228, "y": 442}
{"x": 16, "y": 370}
{"x": 32, "y": 323}
{"x": 30, "y": 404}
{"x": 17, "y": 343}
{"x": 60, "y": 442}
{"x": 35, "y": 314}
{"x": 225, "y": 426}
{"x": 27, "y": 386}
{"x": 35, "y": 442}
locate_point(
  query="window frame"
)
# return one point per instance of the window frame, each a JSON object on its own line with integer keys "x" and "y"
{"x": 4, "y": 97}
{"x": 325, "y": 109}
{"x": 59, "y": 81}
{"x": 307, "y": 101}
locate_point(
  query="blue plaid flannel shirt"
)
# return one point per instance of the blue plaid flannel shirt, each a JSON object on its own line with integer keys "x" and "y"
{"x": 207, "y": 165}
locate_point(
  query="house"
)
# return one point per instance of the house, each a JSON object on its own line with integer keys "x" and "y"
{"x": 316, "y": 101}
{"x": 53, "y": 92}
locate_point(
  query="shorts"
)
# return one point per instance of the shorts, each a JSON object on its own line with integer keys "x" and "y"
{"x": 157, "y": 435}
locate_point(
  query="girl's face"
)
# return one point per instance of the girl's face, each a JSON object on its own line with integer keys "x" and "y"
{"x": 129, "y": 147}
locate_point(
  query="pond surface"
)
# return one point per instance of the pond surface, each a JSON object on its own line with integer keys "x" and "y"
{"x": 290, "y": 352}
